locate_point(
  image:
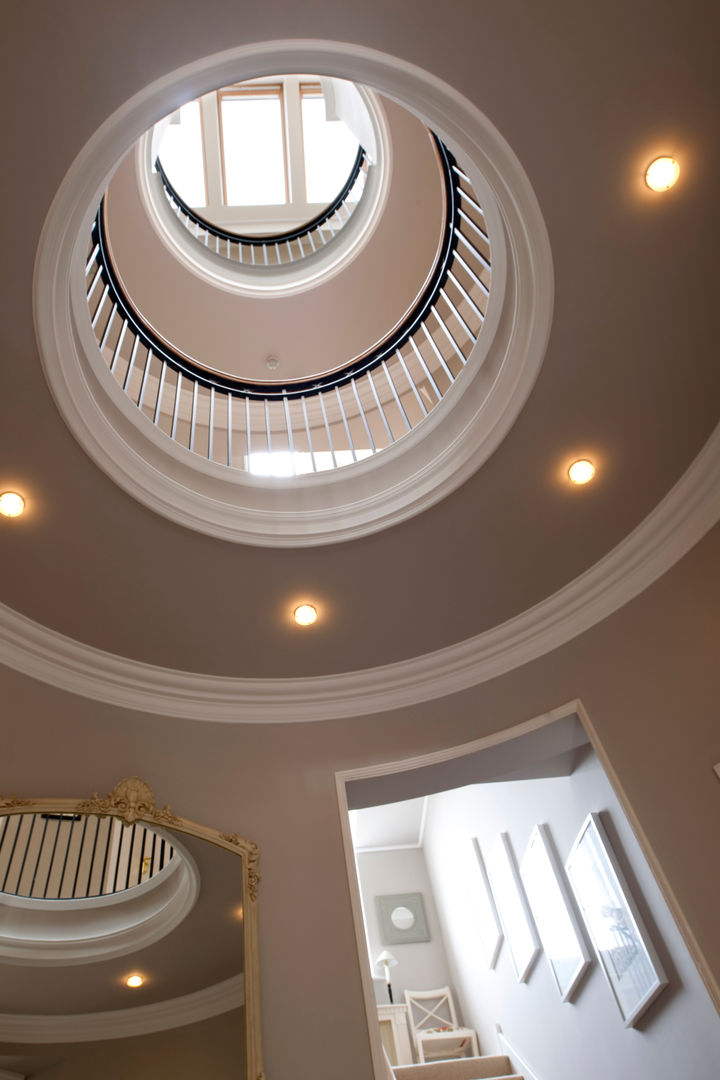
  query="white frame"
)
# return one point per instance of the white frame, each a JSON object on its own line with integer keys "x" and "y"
{"x": 549, "y": 898}
{"x": 488, "y": 920}
{"x": 607, "y": 882}
{"x": 513, "y": 907}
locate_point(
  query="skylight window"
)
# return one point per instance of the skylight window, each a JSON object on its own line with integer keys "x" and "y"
{"x": 259, "y": 157}
{"x": 181, "y": 152}
{"x": 253, "y": 146}
{"x": 329, "y": 149}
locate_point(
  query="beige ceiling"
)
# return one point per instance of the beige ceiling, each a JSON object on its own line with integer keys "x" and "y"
{"x": 630, "y": 374}
{"x": 585, "y": 95}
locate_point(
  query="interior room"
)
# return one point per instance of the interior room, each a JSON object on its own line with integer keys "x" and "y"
{"x": 435, "y": 857}
{"x": 315, "y": 499}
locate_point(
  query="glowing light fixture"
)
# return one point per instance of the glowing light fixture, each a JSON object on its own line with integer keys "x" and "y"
{"x": 662, "y": 173}
{"x": 134, "y": 981}
{"x": 11, "y": 504}
{"x": 581, "y": 472}
{"x": 305, "y": 614}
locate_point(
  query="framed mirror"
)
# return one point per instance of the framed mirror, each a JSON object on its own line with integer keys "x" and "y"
{"x": 128, "y": 941}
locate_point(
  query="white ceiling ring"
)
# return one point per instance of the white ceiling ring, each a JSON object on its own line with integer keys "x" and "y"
{"x": 683, "y": 517}
{"x": 415, "y": 473}
{"x": 63, "y": 932}
{"x": 288, "y": 278}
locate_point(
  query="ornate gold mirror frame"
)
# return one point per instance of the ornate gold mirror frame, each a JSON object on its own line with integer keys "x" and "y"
{"x": 132, "y": 801}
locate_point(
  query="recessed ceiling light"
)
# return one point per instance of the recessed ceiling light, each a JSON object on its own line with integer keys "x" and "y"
{"x": 662, "y": 173}
{"x": 305, "y": 614}
{"x": 134, "y": 981}
{"x": 581, "y": 472}
{"x": 11, "y": 504}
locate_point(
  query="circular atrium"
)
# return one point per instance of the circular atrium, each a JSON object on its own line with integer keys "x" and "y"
{"x": 359, "y": 446}
{"x": 299, "y": 304}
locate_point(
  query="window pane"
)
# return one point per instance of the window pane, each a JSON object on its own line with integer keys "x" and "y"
{"x": 330, "y": 150}
{"x": 253, "y": 148}
{"x": 181, "y": 154}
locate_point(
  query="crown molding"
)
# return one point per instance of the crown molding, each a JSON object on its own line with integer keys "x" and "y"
{"x": 683, "y": 517}
{"x": 122, "y": 1023}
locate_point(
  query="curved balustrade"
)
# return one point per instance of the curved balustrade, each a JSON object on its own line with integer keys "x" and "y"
{"x": 77, "y": 856}
{"x": 326, "y": 422}
{"x": 281, "y": 248}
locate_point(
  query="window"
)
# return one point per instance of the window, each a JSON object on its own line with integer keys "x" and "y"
{"x": 253, "y": 138}
{"x": 329, "y": 148}
{"x": 260, "y": 156}
{"x": 181, "y": 152}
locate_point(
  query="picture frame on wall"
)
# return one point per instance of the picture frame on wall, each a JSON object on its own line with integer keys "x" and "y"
{"x": 622, "y": 944}
{"x": 513, "y": 908}
{"x": 402, "y": 919}
{"x": 488, "y": 921}
{"x": 562, "y": 938}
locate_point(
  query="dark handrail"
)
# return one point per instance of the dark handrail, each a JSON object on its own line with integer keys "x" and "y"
{"x": 275, "y": 238}
{"x": 260, "y": 392}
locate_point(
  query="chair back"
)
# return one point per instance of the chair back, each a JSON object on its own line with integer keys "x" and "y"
{"x": 428, "y": 1009}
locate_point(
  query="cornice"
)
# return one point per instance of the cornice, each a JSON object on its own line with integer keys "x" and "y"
{"x": 683, "y": 517}
{"x": 121, "y": 1023}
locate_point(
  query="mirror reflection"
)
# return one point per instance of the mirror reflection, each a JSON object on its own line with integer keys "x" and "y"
{"x": 123, "y": 945}
{"x": 402, "y": 917}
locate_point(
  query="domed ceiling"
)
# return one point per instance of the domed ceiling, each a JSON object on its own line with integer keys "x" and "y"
{"x": 627, "y": 380}
{"x": 100, "y": 592}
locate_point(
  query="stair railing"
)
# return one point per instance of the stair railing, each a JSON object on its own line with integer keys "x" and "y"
{"x": 73, "y": 856}
{"x": 279, "y": 248}
{"x": 325, "y": 422}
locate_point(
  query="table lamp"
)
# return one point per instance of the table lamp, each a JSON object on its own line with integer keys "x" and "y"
{"x": 387, "y": 960}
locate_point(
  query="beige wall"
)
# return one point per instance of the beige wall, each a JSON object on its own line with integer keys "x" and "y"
{"x": 209, "y": 1049}
{"x": 678, "y": 1035}
{"x": 648, "y": 677}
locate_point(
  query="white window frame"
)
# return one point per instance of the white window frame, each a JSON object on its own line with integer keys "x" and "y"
{"x": 259, "y": 219}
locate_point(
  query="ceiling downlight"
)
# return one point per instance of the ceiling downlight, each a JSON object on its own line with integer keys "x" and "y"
{"x": 11, "y": 504}
{"x": 662, "y": 173}
{"x": 581, "y": 472}
{"x": 305, "y": 614}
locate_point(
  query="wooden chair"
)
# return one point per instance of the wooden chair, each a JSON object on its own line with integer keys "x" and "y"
{"x": 434, "y": 1027}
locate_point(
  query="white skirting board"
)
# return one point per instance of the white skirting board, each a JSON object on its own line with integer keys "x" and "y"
{"x": 518, "y": 1062}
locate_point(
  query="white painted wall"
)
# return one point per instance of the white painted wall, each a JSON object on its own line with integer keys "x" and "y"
{"x": 679, "y": 1036}
{"x": 420, "y": 966}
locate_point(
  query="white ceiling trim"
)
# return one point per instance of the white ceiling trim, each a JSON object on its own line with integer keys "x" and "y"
{"x": 683, "y": 517}
{"x": 121, "y": 1023}
{"x": 448, "y": 447}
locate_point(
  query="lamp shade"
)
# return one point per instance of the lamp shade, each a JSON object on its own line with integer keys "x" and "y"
{"x": 386, "y": 957}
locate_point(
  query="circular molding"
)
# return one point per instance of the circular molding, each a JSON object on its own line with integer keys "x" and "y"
{"x": 122, "y": 1023}
{"x": 413, "y": 474}
{"x": 60, "y": 932}
{"x": 288, "y": 278}
{"x": 683, "y": 517}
